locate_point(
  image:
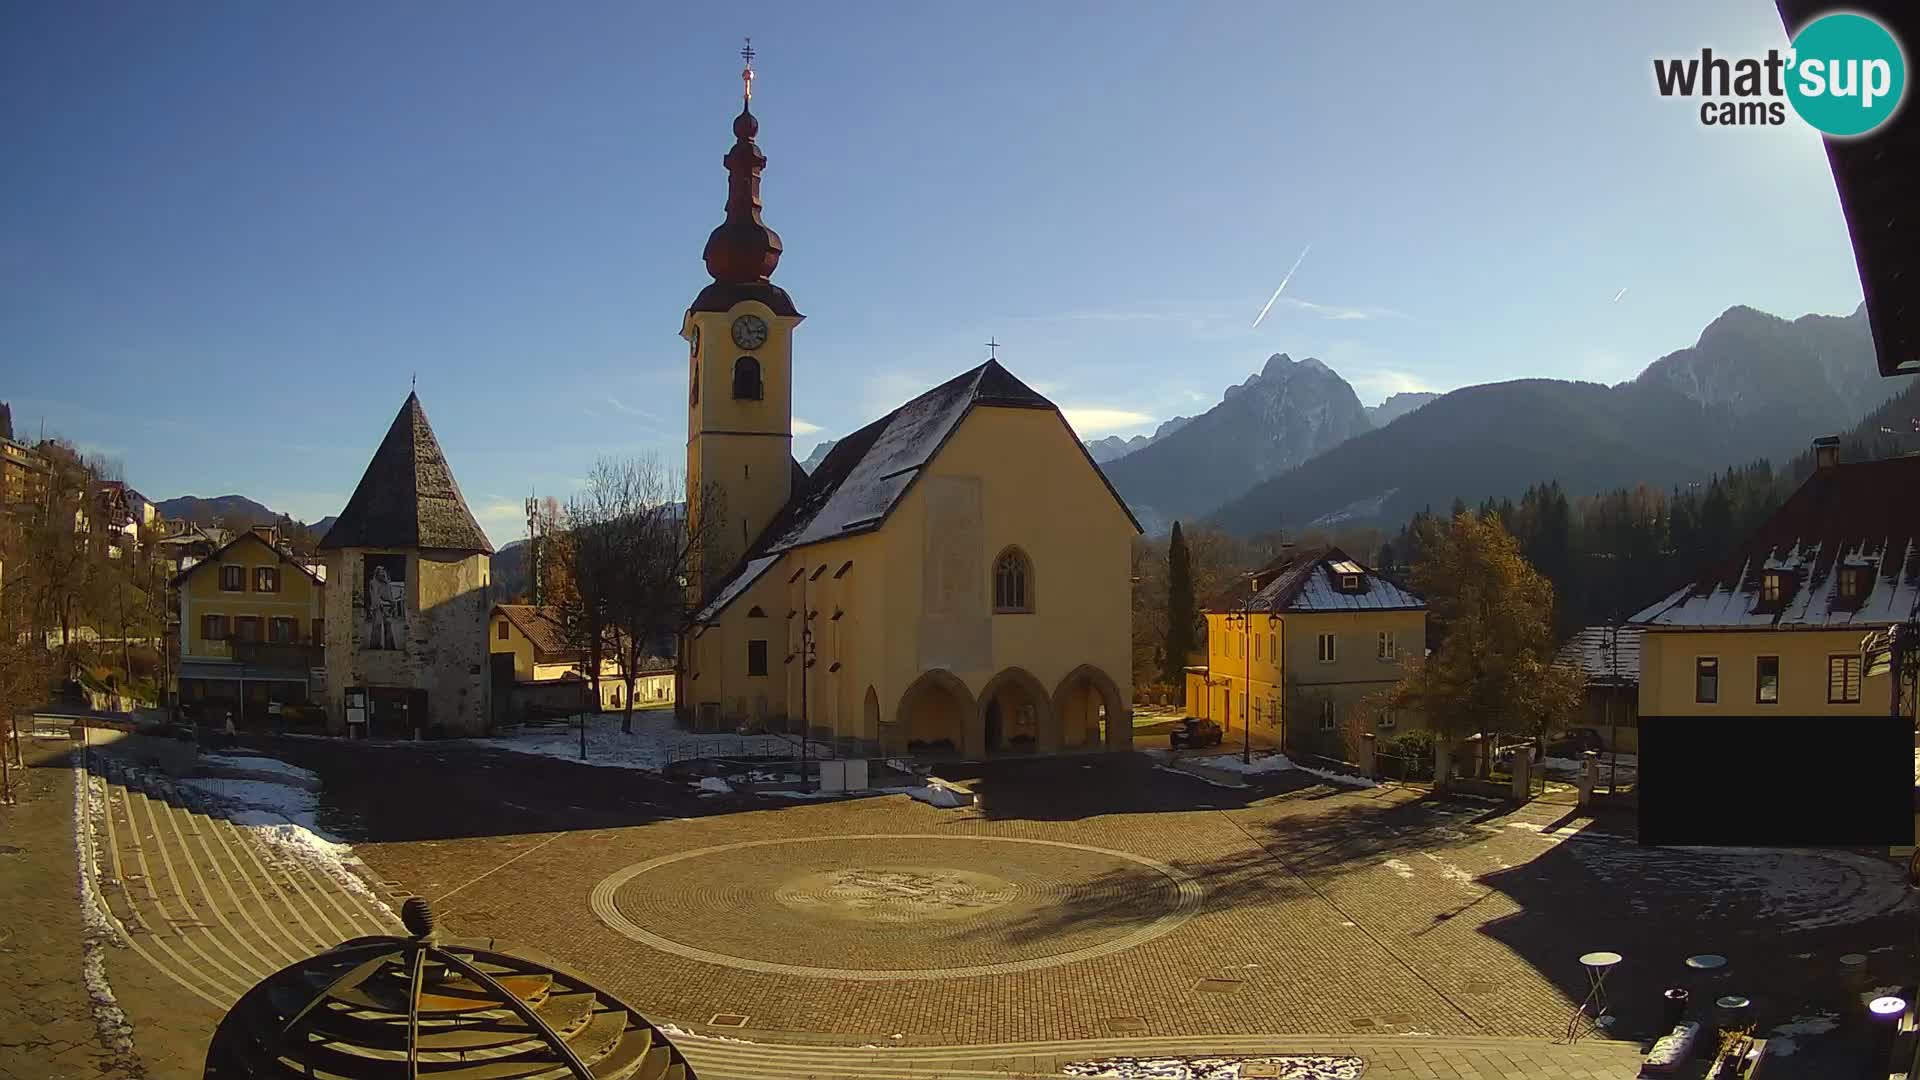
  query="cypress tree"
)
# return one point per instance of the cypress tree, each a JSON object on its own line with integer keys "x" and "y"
{"x": 1181, "y": 613}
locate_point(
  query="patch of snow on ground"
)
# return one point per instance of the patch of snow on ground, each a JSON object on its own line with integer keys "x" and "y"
{"x": 1794, "y": 889}
{"x": 1449, "y": 871}
{"x": 99, "y": 932}
{"x": 675, "y": 1031}
{"x": 1290, "y": 1067}
{"x": 713, "y": 785}
{"x": 1405, "y": 870}
{"x": 1272, "y": 763}
{"x": 263, "y": 766}
{"x": 937, "y": 795}
{"x": 286, "y": 819}
{"x": 657, "y": 741}
{"x": 1782, "y": 1043}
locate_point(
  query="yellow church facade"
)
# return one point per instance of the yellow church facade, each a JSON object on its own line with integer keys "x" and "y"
{"x": 953, "y": 578}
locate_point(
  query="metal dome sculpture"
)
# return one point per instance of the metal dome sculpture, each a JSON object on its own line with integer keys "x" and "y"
{"x": 424, "y": 1008}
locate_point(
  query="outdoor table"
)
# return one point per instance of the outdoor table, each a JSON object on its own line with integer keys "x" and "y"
{"x": 1598, "y": 964}
{"x": 1706, "y": 962}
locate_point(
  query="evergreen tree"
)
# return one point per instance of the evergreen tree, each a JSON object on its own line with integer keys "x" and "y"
{"x": 1181, "y": 612}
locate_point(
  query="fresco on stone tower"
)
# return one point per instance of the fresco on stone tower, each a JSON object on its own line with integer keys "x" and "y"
{"x": 386, "y": 601}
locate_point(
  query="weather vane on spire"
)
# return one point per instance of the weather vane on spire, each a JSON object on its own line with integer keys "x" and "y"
{"x": 746, "y": 73}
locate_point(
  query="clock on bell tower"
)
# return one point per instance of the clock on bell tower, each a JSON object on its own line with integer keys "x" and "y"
{"x": 739, "y": 334}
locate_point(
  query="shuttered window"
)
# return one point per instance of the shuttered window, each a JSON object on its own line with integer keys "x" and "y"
{"x": 282, "y": 631}
{"x": 1843, "y": 680}
{"x": 213, "y": 627}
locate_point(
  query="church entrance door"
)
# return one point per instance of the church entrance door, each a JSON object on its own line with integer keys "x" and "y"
{"x": 993, "y": 727}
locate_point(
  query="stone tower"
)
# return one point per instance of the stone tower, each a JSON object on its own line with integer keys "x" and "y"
{"x": 739, "y": 333}
{"x": 407, "y": 613}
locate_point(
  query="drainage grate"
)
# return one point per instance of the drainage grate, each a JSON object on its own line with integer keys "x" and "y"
{"x": 1218, "y": 986}
{"x": 727, "y": 1020}
{"x": 1121, "y": 1024}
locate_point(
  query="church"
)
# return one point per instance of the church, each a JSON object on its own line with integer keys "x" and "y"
{"x": 953, "y": 578}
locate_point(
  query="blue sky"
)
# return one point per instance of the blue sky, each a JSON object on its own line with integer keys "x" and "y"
{"x": 234, "y": 232}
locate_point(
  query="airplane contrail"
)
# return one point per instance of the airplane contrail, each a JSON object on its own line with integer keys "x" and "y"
{"x": 1618, "y": 295}
{"x": 1283, "y": 286}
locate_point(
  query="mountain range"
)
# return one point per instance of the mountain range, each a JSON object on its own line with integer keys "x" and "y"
{"x": 1281, "y": 416}
{"x": 234, "y": 510}
{"x": 1753, "y": 386}
{"x": 1113, "y": 446}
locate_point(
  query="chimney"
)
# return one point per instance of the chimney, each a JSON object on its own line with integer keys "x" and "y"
{"x": 268, "y": 535}
{"x": 1826, "y": 451}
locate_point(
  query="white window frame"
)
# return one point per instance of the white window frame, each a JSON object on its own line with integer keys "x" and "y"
{"x": 1386, "y": 648}
{"x": 1328, "y": 650}
{"x": 1329, "y": 714}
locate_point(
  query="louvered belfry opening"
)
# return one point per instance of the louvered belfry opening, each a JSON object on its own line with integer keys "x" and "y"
{"x": 393, "y": 1008}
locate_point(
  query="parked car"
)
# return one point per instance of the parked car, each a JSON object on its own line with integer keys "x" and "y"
{"x": 1574, "y": 742}
{"x": 1194, "y": 732}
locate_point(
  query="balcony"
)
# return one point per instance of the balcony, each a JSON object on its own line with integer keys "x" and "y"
{"x": 283, "y": 656}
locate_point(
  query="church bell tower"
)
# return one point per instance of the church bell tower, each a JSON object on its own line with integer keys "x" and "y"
{"x": 739, "y": 335}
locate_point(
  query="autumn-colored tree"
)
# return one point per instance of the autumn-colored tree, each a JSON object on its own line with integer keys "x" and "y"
{"x": 1493, "y": 670}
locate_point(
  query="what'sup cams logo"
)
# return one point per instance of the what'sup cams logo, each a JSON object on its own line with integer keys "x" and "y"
{"x": 1845, "y": 75}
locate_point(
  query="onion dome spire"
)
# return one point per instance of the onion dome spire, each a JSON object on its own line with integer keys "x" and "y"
{"x": 743, "y": 249}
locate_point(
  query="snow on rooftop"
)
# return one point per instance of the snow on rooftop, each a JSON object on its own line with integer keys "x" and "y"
{"x": 748, "y": 574}
{"x": 1893, "y": 594}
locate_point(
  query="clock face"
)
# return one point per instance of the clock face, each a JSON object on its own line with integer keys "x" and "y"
{"x": 749, "y": 331}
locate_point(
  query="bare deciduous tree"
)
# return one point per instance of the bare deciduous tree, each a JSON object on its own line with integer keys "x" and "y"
{"x": 626, "y": 549}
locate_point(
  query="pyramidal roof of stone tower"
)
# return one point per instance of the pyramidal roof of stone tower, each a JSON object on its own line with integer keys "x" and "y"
{"x": 408, "y": 497}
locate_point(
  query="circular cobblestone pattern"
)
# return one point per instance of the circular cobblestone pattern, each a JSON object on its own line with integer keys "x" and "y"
{"x": 892, "y": 907}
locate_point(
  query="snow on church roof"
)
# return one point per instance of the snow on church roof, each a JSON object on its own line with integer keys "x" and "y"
{"x": 1860, "y": 515}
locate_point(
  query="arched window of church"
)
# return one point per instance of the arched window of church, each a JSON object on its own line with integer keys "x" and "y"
{"x": 746, "y": 379}
{"x": 1012, "y": 581}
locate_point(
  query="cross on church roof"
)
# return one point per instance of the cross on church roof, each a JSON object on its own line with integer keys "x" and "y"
{"x": 746, "y": 73}
{"x": 993, "y": 349}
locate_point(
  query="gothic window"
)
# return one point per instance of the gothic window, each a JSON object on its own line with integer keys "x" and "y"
{"x": 746, "y": 379}
{"x": 1012, "y": 581}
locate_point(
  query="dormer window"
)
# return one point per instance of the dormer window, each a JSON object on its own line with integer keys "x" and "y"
{"x": 1773, "y": 589}
{"x": 1854, "y": 583}
{"x": 1349, "y": 582}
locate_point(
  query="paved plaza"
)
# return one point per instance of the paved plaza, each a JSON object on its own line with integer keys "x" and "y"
{"x": 1086, "y": 909}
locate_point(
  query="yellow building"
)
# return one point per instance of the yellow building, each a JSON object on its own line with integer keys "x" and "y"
{"x": 530, "y": 650}
{"x": 252, "y": 629}
{"x": 1296, "y": 651}
{"x": 1777, "y": 627}
{"x": 952, "y": 578}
